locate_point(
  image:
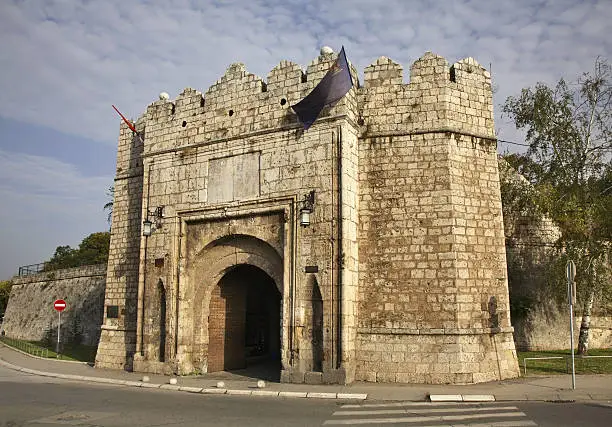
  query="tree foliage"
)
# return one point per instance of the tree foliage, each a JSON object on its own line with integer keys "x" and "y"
{"x": 93, "y": 249}
{"x": 5, "y": 291}
{"x": 568, "y": 129}
{"x": 109, "y": 205}
{"x": 530, "y": 236}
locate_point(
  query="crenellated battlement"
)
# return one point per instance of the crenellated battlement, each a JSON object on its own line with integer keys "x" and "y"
{"x": 383, "y": 72}
{"x": 429, "y": 68}
{"x": 438, "y": 96}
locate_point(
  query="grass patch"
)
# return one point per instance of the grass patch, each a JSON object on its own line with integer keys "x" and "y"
{"x": 75, "y": 352}
{"x": 583, "y": 365}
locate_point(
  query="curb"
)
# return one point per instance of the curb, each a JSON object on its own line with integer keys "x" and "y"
{"x": 185, "y": 389}
{"x": 473, "y": 398}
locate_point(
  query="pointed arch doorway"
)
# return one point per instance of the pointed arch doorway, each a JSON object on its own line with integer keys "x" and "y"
{"x": 244, "y": 323}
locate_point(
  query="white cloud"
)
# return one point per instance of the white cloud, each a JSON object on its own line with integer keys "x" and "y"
{"x": 66, "y": 62}
{"x": 45, "y": 203}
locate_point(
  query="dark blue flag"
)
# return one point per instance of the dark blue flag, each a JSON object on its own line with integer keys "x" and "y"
{"x": 336, "y": 83}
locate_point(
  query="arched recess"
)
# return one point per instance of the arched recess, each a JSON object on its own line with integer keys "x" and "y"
{"x": 206, "y": 270}
{"x": 161, "y": 290}
{"x": 316, "y": 324}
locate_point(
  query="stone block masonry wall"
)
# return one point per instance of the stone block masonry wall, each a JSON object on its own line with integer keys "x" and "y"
{"x": 287, "y": 167}
{"x": 403, "y": 240}
{"x": 30, "y": 314}
{"x": 478, "y": 244}
{"x": 234, "y": 147}
{"x": 547, "y": 328}
{"x": 404, "y": 216}
{"x": 431, "y": 247}
{"x": 118, "y": 337}
{"x": 431, "y": 357}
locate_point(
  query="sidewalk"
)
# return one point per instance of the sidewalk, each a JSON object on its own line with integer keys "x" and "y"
{"x": 554, "y": 388}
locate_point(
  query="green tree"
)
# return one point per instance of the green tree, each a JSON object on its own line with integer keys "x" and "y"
{"x": 64, "y": 257}
{"x": 527, "y": 259}
{"x": 568, "y": 129}
{"x": 93, "y": 249}
{"x": 109, "y": 205}
{"x": 5, "y": 292}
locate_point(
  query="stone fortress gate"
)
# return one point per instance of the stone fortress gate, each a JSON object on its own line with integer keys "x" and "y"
{"x": 400, "y": 276}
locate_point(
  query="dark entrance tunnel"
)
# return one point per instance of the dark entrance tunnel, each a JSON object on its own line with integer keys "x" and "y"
{"x": 244, "y": 323}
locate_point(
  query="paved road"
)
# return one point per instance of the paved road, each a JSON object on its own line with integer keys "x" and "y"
{"x": 39, "y": 401}
{"x": 498, "y": 414}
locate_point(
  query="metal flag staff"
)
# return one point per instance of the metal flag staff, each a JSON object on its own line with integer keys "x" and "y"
{"x": 130, "y": 125}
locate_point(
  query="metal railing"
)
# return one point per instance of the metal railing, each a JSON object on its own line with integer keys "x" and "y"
{"x": 26, "y": 347}
{"x": 538, "y": 358}
{"x": 26, "y": 270}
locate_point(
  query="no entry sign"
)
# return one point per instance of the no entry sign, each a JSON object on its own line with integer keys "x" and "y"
{"x": 59, "y": 305}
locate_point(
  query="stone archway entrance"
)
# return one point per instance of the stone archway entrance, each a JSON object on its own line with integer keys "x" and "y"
{"x": 244, "y": 321}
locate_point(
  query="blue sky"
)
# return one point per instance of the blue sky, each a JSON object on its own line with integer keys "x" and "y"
{"x": 63, "y": 63}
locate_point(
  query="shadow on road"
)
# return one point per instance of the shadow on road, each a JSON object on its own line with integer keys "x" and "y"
{"x": 267, "y": 370}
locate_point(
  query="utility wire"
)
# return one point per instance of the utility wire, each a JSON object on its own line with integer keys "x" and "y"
{"x": 513, "y": 143}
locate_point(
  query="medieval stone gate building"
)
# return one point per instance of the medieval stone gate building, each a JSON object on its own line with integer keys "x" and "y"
{"x": 400, "y": 275}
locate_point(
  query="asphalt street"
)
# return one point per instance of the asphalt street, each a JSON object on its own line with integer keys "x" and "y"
{"x": 497, "y": 414}
{"x": 39, "y": 401}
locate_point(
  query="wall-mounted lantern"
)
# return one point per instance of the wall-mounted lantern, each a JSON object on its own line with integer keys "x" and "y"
{"x": 147, "y": 225}
{"x": 307, "y": 208}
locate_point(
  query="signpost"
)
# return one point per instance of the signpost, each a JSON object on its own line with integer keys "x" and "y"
{"x": 570, "y": 273}
{"x": 59, "y": 305}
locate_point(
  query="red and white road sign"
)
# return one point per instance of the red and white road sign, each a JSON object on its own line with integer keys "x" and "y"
{"x": 59, "y": 305}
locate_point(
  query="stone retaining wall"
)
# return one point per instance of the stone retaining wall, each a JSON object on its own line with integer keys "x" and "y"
{"x": 548, "y": 329}
{"x": 30, "y": 314}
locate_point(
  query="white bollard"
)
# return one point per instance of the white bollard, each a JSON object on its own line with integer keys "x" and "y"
{"x": 146, "y": 379}
{"x": 173, "y": 381}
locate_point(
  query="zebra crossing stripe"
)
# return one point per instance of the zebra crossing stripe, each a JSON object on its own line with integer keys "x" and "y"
{"x": 526, "y": 423}
{"x": 425, "y": 411}
{"x": 518, "y": 423}
{"x": 422, "y": 419}
{"x": 395, "y": 404}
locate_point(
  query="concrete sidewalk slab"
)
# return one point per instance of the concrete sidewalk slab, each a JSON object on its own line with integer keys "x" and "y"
{"x": 240, "y": 392}
{"x": 478, "y": 398}
{"x": 301, "y": 394}
{"x": 170, "y": 387}
{"x": 350, "y": 396}
{"x": 554, "y": 388}
{"x": 445, "y": 398}
{"x": 214, "y": 391}
{"x": 322, "y": 395}
{"x": 265, "y": 393}
{"x": 191, "y": 389}
{"x": 149, "y": 385}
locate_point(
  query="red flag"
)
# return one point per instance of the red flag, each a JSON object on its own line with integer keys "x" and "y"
{"x": 127, "y": 122}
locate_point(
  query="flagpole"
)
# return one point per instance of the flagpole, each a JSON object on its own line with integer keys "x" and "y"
{"x": 130, "y": 125}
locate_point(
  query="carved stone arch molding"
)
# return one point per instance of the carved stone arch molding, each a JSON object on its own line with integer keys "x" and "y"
{"x": 209, "y": 252}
